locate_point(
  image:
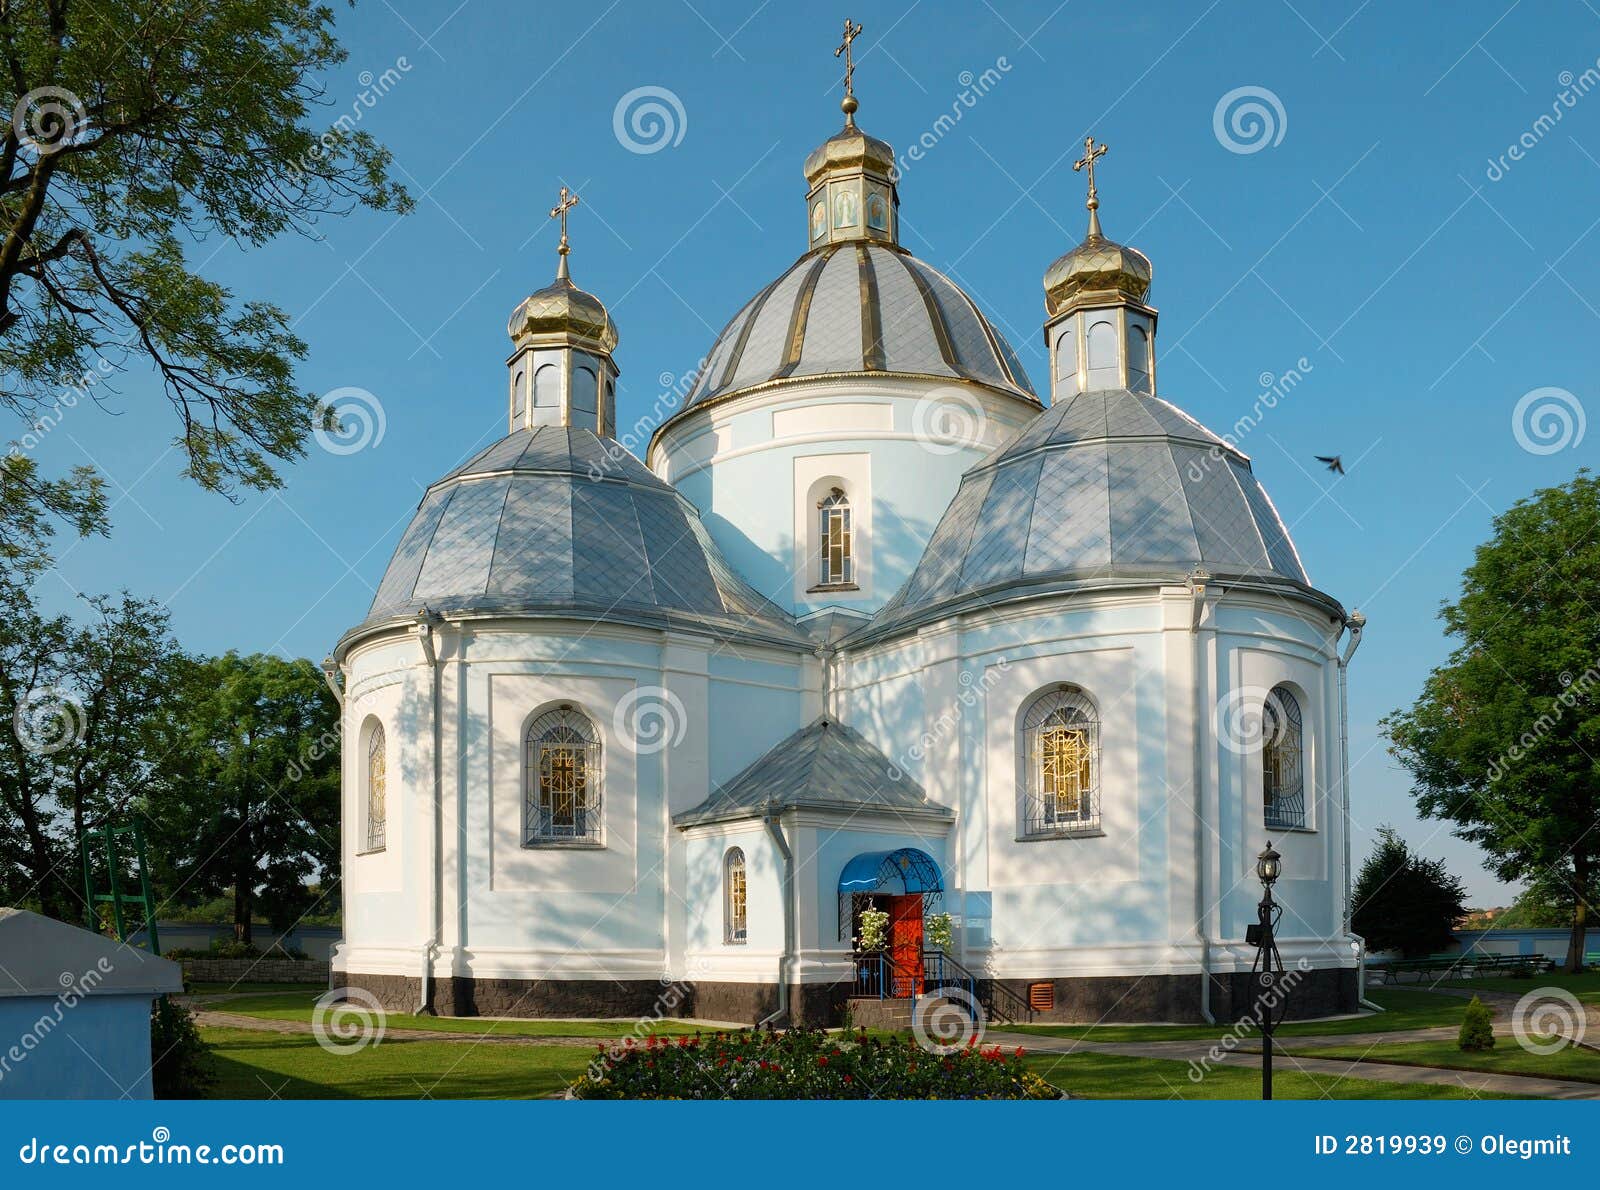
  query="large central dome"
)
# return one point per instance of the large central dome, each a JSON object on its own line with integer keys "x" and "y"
{"x": 848, "y": 309}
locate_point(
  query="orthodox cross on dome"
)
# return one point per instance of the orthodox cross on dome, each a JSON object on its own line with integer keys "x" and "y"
{"x": 559, "y": 211}
{"x": 851, "y": 32}
{"x": 1090, "y": 154}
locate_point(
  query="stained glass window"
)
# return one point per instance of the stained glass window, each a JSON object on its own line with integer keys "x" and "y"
{"x": 733, "y": 928}
{"x": 837, "y": 552}
{"x": 1061, "y": 740}
{"x": 563, "y": 779}
{"x": 1282, "y": 760}
{"x": 377, "y": 790}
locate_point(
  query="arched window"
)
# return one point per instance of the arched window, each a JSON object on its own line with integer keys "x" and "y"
{"x": 377, "y": 790}
{"x": 1061, "y": 753}
{"x": 733, "y": 897}
{"x": 1067, "y": 361}
{"x": 1282, "y": 760}
{"x": 563, "y": 779}
{"x": 819, "y": 219}
{"x": 1102, "y": 357}
{"x": 519, "y": 397}
{"x": 1138, "y": 358}
{"x": 836, "y": 552}
{"x": 547, "y": 387}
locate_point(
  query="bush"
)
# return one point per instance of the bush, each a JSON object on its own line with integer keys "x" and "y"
{"x": 1477, "y": 1027}
{"x": 803, "y": 1064}
{"x": 180, "y": 1063}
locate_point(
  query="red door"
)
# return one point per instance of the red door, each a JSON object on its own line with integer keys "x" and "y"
{"x": 905, "y": 945}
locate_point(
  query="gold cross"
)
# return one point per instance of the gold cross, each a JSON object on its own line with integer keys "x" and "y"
{"x": 851, "y": 32}
{"x": 559, "y": 211}
{"x": 1090, "y": 153}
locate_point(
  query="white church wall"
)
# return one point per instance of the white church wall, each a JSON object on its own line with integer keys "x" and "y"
{"x": 708, "y": 954}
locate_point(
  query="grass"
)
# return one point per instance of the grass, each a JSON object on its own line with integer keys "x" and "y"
{"x": 1404, "y": 1010}
{"x": 252, "y": 1065}
{"x": 213, "y": 989}
{"x": 1586, "y": 986}
{"x": 1507, "y": 1057}
{"x": 297, "y": 1006}
{"x": 1111, "y": 1076}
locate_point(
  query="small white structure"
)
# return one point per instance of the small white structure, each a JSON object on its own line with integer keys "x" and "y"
{"x": 874, "y": 624}
{"x": 75, "y": 1011}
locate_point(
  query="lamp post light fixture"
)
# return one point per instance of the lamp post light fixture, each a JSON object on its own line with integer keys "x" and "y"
{"x": 1266, "y": 974}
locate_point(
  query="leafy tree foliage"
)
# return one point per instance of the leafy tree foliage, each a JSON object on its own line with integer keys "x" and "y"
{"x": 84, "y": 739}
{"x": 1477, "y": 1028}
{"x": 1503, "y": 740}
{"x": 1404, "y": 902}
{"x": 254, "y": 810}
{"x": 139, "y": 129}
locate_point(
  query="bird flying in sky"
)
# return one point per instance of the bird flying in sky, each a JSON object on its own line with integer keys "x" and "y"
{"x": 1335, "y": 463}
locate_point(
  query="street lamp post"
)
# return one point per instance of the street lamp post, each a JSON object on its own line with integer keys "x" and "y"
{"x": 1266, "y": 974}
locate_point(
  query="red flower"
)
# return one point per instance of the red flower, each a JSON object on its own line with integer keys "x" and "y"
{"x": 1019, "y": 1051}
{"x": 823, "y": 1060}
{"x": 848, "y": 1079}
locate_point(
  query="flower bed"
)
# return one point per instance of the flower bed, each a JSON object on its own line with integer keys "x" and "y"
{"x": 803, "y": 1064}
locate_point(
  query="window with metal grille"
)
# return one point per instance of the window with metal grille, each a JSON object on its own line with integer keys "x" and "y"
{"x": 1061, "y": 742}
{"x": 377, "y": 789}
{"x": 837, "y": 545}
{"x": 733, "y": 923}
{"x": 563, "y": 779}
{"x": 1282, "y": 760}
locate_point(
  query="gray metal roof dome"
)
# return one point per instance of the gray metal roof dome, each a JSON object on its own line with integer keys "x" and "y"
{"x": 855, "y": 308}
{"x": 1105, "y": 485}
{"x": 556, "y": 521}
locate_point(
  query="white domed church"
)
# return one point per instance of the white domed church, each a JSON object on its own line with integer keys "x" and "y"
{"x": 871, "y": 626}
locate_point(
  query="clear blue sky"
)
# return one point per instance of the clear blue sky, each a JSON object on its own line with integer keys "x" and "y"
{"x": 1370, "y": 240}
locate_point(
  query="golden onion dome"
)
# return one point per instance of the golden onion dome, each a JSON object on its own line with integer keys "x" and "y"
{"x": 1097, "y": 265}
{"x": 849, "y": 148}
{"x": 561, "y": 309}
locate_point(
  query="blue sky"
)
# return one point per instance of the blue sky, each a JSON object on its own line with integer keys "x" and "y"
{"x": 1379, "y": 231}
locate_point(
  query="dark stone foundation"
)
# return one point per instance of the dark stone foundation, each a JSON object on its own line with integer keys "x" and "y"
{"x": 1121, "y": 999}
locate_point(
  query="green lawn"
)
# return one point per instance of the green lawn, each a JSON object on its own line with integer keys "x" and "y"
{"x": 1111, "y": 1076}
{"x": 1403, "y": 1010}
{"x": 297, "y": 1006}
{"x": 1507, "y": 1057}
{"x": 212, "y": 989}
{"x": 1586, "y": 986}
{"x": 253, "y": 1065}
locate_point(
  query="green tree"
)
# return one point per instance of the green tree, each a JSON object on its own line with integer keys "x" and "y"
{"x": 83, "y": 706}
{"x": 1404, "y": 902}
{"x": 1504, "y": 737}
{"x": 138, "y": 129}
{"x": 1477, "y": 1027}
{"x": 255, "y": 810}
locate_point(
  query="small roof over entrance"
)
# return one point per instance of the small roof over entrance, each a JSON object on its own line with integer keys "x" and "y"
{"x": 905, "y": 870}
{"x": 825, "y": 766}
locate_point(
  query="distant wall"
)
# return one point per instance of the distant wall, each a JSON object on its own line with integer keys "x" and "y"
{"x": 1550, "y": 943}
{"x": 316, "y": 941}
{"x": 254, "y": 971}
